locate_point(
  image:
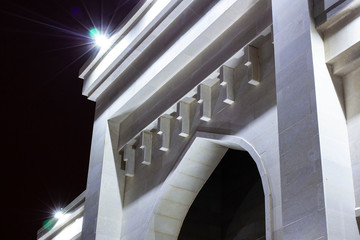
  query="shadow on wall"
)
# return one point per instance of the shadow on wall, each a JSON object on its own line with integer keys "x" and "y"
{"x": 231, "y": 203}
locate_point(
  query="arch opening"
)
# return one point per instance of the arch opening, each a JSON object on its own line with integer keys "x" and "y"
{"x": 187, "y": 178}
{"x": 230, "y": 205}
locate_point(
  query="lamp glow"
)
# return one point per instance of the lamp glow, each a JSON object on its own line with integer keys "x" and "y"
{"x": 58, "y": 214}
{"x": 100, "y": 39}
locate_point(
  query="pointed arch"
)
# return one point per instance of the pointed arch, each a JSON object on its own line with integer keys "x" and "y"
{"x": 188, "y": 177}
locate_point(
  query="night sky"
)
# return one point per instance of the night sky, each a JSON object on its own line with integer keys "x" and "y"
{"x": 46, "y": 122}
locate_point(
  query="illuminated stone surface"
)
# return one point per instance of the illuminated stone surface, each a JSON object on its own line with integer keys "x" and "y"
{"x": 182, "y": 69}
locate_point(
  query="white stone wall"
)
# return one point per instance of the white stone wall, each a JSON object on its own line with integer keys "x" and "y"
{"x": 293, "y": 126}
{"x": 252, "y": 116}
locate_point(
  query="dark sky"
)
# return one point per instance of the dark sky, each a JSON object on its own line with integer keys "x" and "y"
{"x": 46, "y": 122}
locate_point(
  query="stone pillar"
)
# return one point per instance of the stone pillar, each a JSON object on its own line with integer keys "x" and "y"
{"x": 316, "y": 179}
{"x": 352, "y": 106}
{"x": 105, "y": 184}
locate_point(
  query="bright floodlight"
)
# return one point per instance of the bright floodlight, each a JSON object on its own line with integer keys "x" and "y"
{"x": 100, "y": 39}
{"x": 58, "y": 214}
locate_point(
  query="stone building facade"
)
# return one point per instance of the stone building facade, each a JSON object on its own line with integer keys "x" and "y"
{"x": 184, "y": 81}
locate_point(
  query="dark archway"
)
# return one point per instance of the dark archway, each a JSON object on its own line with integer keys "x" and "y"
{"x": 231, "y": 203}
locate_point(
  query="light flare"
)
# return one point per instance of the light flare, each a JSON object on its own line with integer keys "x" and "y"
{"x": 101, "y": 40}
{"x": 58, "y": 214}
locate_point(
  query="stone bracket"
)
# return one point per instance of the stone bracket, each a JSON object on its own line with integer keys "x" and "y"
{"x": 187, "y": 111}
{"x": 146, "y": 145}
{"x": 251, "y": 55}
{"x": 129, "y": 159}
{"x": 166, "y": 126}
{"x": 227, "y": 80}
{"x": 209, "y": 90}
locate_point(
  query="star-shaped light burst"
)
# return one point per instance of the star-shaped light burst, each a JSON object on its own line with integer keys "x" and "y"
{"x": 101, "y": 40}
{"x": 58, "y": 214}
